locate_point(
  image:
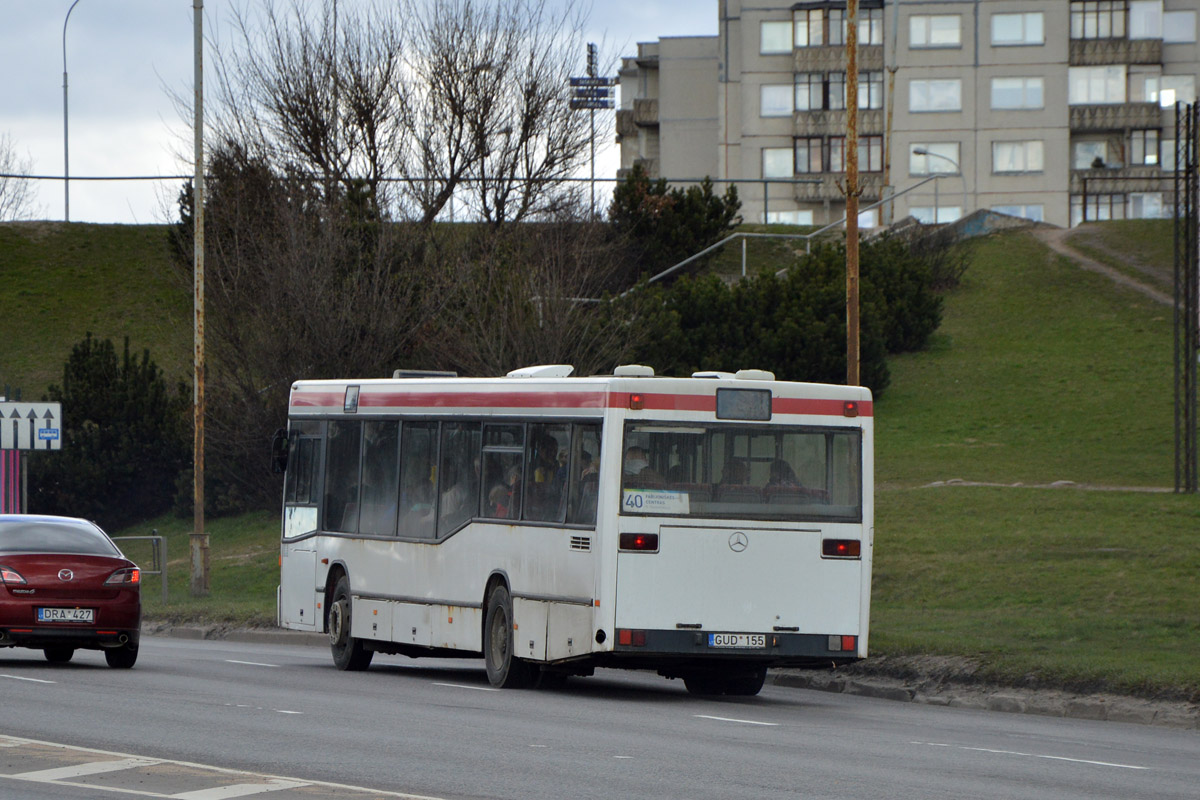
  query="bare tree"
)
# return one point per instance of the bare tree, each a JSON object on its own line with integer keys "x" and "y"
{"x": 16, "y": 189}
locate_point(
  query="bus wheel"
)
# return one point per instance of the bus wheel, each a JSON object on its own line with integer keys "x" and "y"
{"x": 504, "y": 669}
{"x": 348, "y": 652}
{"x": 704, "y": 683}
{"x": 747, "y": 684}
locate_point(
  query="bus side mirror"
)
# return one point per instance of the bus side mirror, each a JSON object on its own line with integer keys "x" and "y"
{"x": 279, "y": 452}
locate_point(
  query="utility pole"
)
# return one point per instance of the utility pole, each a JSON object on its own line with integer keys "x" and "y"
{"x": 852, "y": 321}
{"x": 199, "y": 539}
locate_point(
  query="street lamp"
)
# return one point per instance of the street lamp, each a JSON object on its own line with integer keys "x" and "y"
{"x": 66, "y": 148}
{"x": 922, "y": 151}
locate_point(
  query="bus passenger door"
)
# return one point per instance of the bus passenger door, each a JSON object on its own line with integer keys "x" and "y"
{"x": 297, "y": 587}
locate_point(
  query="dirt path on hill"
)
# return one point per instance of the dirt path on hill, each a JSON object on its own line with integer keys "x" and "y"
{"x": 1056, "y": 240}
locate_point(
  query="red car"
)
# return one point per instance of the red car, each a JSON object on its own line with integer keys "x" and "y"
{"x": 66, "y": 586}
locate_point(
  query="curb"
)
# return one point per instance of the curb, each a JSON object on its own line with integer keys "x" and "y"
{"x": 985, "y": 697}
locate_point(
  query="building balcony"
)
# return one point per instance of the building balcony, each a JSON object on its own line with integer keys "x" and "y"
{"x": 1121, "y": 180}
{"x": 832, "y": 187}
{"x": 1099, "y": 52}
{"x": 625, "y": 124}
{"x": 645, "y": 112}
{"x": 833, "y": 123}
{"x": 832, "y": 58}
{"x": 1116, "y": 116}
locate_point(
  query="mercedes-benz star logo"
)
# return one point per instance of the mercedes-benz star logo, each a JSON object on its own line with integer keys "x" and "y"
{"x": 738, "y": 542}
{"x": 66, "y": 575}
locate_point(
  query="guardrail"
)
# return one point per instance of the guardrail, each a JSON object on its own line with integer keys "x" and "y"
{"x": 158, "y": 557}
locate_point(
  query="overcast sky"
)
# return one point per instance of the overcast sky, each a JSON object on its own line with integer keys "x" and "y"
{"x": 124, "y": 55}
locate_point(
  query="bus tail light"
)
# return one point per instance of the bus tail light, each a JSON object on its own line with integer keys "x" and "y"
{"x": 638, "y": 542}
{"x": 841, "y": 548}
{"x": 850, "y": 409}
{"x": 843, "y": 644}
{"x": 636, "y": 401}
{"x": 631, "y": 638}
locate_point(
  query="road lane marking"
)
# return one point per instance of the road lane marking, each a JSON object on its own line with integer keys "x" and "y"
{"x": 741, "y": 721}
{"x": 31, "y": 680}
{"x": 465, "y": 686}
{"x": 239, "y": 790}
{"x": 1032, "y": 755}
{"x": 80, "y": 770}
{"x": 251, "y": 663}
{"x": 282, "y": 711}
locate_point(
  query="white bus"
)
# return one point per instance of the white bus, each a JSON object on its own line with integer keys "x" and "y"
{"x": 706, "y": 527}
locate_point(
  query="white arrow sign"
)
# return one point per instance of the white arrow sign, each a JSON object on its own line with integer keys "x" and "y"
{"x": 31, "y": 426}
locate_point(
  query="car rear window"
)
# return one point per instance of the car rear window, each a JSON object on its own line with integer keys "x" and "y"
{"x": 54, "y": 537}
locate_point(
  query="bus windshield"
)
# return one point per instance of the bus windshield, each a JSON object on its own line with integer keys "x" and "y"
{"x": 741, "y": 471}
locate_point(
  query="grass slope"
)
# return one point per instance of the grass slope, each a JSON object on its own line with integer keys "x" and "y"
{"x": 60, "y": 281}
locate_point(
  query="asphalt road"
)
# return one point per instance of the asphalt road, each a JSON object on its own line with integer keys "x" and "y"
{"x": 293, "y": 726}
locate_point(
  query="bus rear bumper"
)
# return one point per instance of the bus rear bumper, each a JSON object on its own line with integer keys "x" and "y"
{"x": 776, "y": 649}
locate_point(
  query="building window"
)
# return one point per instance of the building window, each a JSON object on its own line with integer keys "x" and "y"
{"x": 928, "y": 163}
{"x": 1146, "y": 205}
{"x": 1176, "y": 89}
{"x": 1017, "y": 156}
{"x": 808, "y": 155}
{"x": 777, "y": 162}
{"x": 870, "y": 154}
{"x": 928, "y": 215}
{"x": 1096, "y": 85}
{"x": 799, "y": 217}
{"x": 835, "y": 91}
{"x": 810, "y": 91}
{"x": 1017, "y": 93}
{"x": 815, "y": 27}
{"x": 1090, "y": 155}
{"x": 868, "y": 218}
{"x": 1098, "y": 19}
{"x": 1166, "y": 154}
{"x": 1014, "y": 30}
{"x": 870, "y": 90}
{"x": 1143, "y": 148}
{"x": 776, "y": 37}
{"x": 776, "y": 100}
{"x": 1145, "y": 19}
{"x": 934, "y": 30}
{"x": 1179, "y": 27}
{"x": 1036, "y": 213}
{"x": 1099, "y": 207}
{"x": 935, "y": 95}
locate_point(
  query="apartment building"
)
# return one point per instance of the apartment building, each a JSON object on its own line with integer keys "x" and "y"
{"x": 1054, "y": 110}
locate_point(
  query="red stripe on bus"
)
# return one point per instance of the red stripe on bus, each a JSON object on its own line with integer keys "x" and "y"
{"x": 825, "y": 408}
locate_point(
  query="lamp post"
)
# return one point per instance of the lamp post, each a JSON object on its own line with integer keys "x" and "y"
{"x": 921, "y": 151}
{"x": 66, "y": 147}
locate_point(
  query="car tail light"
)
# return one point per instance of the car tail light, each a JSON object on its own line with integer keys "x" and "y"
{"x": 9, "y": 575}
{"x": 131, "y": 576}
{"x": 641, "y": 542}
{"x": 841, "y": 548}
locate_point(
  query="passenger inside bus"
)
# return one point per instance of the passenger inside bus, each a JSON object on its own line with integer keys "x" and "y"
{"x": 637, "y": 468}
{"x": 782, "y": 474}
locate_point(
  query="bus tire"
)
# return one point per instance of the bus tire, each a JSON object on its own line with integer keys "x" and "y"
{"x": 348, "y": 653}
{"x": 748, "y": 683}
{"x": 704, "y": 684}
{"x": 504, "y": 669}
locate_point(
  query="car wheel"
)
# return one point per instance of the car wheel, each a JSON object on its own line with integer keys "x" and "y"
{"x": 122, "y": 657}
{"x": 348, "y": 653}
{"x": 504, "y": 669}
{"x": 59, "y": 655}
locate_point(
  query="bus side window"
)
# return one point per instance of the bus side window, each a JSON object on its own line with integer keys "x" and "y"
{"x": 380, "y": 477}
{"x": 458, "y": 476}
{"x": 545, "y": 473}
{"x": 341, "y": 477}
{"x": 585, "y": 474}
{"x": 418, "y": 462}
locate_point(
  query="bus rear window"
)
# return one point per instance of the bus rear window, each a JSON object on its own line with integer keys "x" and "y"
{"x": 735, "y": 471}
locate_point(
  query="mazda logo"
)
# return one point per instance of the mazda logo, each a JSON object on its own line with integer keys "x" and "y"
{"x": 66, "y": 575}
{"x": 738, "y": 542}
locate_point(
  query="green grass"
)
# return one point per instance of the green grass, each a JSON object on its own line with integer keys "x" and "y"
{"x": 61, "y": 281}
{"x": 1143, "y": 249}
